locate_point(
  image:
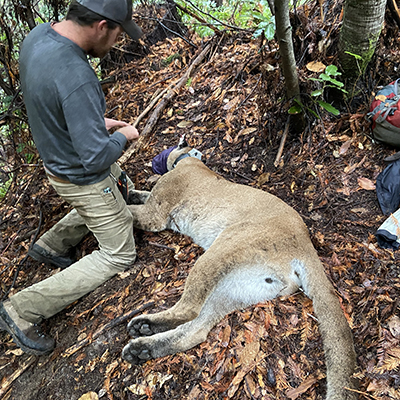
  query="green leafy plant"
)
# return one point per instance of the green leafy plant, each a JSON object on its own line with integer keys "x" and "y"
{"x": 23, "y": 148}
{"x": 246, "y": 15}
{"x": 4, "y": 187}
{"x": 266, "y": 27}
{"x": 328, "y": 80}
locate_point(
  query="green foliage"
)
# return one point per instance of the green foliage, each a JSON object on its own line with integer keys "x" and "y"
{"x": 4, "y": 187}
{"x": 360, "y": 61}
{"x": 266, "y": 27}
{"x": 25, "y": 151}
{"x": 253, "y": 15}
{"x": 171, "y": 58}
{"x": 327, "y": 80}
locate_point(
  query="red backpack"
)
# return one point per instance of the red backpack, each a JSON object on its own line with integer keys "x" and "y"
{"x": 385, "y": 115}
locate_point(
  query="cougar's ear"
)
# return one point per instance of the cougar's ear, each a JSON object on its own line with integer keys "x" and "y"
{"x": 182, "y": 142}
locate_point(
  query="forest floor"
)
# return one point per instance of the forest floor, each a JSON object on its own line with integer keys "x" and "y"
{"x": 232, "y": 111}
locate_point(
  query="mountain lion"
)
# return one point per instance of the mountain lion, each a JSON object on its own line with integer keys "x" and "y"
{"x": 257, "y": 248}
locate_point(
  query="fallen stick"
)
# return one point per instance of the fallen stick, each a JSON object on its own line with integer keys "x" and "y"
{"x": 171, "y": 92}
{"x": 84, "y": 342}
{"x": 151, "y": 105}
{"x": 15, "y": 375}
{"x": 282, "y": 144}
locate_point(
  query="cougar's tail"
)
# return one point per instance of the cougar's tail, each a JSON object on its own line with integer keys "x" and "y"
{"x": 340, "y": 357}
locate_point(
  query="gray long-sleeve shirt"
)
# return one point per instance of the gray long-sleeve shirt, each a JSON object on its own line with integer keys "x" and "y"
{"x": 66, "y": 106}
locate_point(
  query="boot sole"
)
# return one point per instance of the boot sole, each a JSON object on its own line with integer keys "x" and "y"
{"x": 16, "y": 340}
{"x": 29, "y": 350}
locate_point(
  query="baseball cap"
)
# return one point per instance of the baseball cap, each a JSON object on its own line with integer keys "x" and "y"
{"x": 119, "y": 11}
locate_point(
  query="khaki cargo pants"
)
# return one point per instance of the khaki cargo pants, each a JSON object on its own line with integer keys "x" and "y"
{"x": 100, "y": 209}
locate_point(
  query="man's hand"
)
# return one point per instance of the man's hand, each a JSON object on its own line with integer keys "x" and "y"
{"x": 129, "y": 132}
{"x": 113, "y": 123}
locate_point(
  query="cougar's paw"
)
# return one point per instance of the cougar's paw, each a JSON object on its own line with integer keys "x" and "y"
{"x": 136, "y": 352}
{"x": 136, "y": 197}
{"x": 140, "y": 326}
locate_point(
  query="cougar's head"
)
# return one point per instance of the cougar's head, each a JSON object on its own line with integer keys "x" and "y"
{"x": 182, "y": 148}
{"x": 165, "y": 161}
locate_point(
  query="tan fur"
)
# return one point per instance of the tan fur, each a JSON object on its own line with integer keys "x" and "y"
{"x": 257, "y": 248}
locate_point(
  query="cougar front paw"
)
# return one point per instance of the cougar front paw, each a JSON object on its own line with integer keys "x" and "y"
{"x": 136, "y": 352}
{"x": 140, "y": 326}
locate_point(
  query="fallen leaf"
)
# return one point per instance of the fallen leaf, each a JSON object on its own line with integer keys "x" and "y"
{"x": 303, "y": 387}
{"x": 344, "y": 147}
{"x": 228, "y": 138}
{"x": 351, "y": 168}
{"x": 194, "y": 393}
{"x": 263, "y": 178}
{"x": 247, "y": 131}
{"x": 16, "y": 352}
{"x": 315, "y": 66}
{"x": 82, "y": 336}
{"x": 249, "y": 353}
{"x": 226, "y": 335}
{"x": 394, "y": 326}
{"x": 366, "y": 184}
{"x": 231, "y": 104}
{"x": 185, "y": 124}
{"x": 360, "y": 210}
{"x": 89, "y": 396}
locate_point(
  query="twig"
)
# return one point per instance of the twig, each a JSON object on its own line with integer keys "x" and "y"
{"x": 281, "y": 146}
{"x": 163, "y": 80}
{"x": 172, "y": 91}
{"x": 192, "y": 14}
{"x": 23, "y": 165}
{"x": 363, "y": 393}
{"x": 395, "y": 11}
{"x": 13, "y": 237}
{"x": 15, "y": 375}
{"x": 252, "y": 91}
{"x": 217, "y": 46}
{"x": 77, "y": 346}
{"x": 162, "y": 246}
{"x": 216, "y": 19}
{"x": 151, "y": 105}
{"x": 177, "y": 34}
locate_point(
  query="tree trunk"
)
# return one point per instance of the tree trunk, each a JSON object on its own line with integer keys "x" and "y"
{"x": 288, "y": 61}
{"x": 362, "y": 25}
{"x": 26, "y": 13}
{"x": 284, "y": 36}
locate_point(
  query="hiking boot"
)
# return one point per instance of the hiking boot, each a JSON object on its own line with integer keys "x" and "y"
{"x": 40, "y": 254}
{"x": 26, "y": 335}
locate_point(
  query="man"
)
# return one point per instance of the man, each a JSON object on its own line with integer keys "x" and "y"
{"x": 66, "y": 106}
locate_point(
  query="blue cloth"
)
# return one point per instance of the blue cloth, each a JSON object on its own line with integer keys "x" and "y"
{"x": 159, "y": 163}
{"x": 388, "y": 188}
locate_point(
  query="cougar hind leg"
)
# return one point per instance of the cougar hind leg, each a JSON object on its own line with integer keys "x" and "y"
{"x": 198, "y": 286}
{"x": 239, "y": 288}
{"x": 203, "y": 278}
